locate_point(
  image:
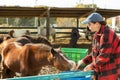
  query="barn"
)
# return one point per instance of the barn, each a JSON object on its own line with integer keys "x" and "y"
{"x": 52, "y": 12}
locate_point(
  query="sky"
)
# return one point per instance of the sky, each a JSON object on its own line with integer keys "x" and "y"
{"x": 106, "y": 4}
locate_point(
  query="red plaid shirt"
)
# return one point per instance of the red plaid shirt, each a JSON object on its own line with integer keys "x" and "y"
{"x": 105, "y": 54}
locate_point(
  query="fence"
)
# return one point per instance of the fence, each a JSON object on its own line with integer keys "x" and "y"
{"x": 59, "y": 76}
{"x": 66, "y": 33}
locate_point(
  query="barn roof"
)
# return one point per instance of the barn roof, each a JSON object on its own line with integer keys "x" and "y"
{"x": 54, "y": 12}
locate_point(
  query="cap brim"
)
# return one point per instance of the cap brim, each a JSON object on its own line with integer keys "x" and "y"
{"x": 86, "y": 21}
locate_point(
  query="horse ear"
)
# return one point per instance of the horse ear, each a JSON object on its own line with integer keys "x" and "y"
{"x": 6, "y": 38}
{"x": 59, "y": 48}
{"x": 53, "y": 51}
{"x": 11, "y": 33}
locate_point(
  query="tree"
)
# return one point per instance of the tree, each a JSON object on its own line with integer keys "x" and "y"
{"x": 86, "y": 5}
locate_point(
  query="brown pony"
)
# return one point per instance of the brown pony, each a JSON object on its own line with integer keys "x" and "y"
{"x": 30, "y": 58}
{"x": 39, "y": 39}
{"x": 23, "y": 40}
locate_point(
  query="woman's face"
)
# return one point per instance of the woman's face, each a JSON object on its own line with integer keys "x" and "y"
{"x": 94, "y": 27}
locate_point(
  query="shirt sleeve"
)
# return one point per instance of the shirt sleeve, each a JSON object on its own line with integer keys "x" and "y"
{"x": 88, "y": 59}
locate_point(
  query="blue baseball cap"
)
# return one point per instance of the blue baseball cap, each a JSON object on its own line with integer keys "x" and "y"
{"x": 94, "y": 17}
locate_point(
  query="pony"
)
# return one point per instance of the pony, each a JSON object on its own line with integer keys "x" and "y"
{"x": 23, "y": 40}
{"x": 18, "y": 33}
{"x": 52, "y": 32}
{"x": 30, "y": 58}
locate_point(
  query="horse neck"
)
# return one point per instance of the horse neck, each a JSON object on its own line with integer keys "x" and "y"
{"x": 40, "y": 61}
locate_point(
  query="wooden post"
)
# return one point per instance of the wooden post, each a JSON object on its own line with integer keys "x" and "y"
{"x": 48, "y": 23}
{"x": 77, "y": 23}
{"x": 38, "y": 27}
{"x": 7, "y": 22}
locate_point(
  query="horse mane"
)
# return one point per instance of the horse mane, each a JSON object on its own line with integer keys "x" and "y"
{"x": 39, "y": 39}
{"x": 23, "y": 40}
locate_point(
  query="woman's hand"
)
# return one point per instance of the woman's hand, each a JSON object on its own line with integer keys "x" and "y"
{"x": 80, "y": 62}
{"x": 88, "y": 67}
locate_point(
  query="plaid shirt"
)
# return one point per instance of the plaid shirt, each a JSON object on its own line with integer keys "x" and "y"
{"x": 105, "y": 54}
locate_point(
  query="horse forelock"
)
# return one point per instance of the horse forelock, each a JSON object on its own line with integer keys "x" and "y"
{"x": 59, "y": 54}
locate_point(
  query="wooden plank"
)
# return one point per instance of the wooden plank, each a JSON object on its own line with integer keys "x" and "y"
{"x": 18, "y": 27}
{"x": 63, "y": 32}
{"x": 69, "y": 27}
{"x": 63, "y": 37}
{"x": 7, "y": 32}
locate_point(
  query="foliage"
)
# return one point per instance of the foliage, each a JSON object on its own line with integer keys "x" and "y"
{"x": 86, "y": 6}
{"x": 24, "y": 21}
{"x": 2, "y": 20}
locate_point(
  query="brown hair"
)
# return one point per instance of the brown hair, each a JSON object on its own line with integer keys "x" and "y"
{"x": 101, "y": 22}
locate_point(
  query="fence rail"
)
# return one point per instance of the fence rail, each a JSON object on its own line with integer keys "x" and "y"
{"x": 18, "y": 27}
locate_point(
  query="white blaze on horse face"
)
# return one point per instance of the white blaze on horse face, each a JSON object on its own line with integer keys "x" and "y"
{"x": 64, "y": 57}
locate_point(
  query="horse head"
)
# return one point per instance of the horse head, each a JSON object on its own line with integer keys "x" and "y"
{"x": 60, "y": 61}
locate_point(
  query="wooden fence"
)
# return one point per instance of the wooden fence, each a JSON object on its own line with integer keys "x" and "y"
{"x": 33, "y": 30}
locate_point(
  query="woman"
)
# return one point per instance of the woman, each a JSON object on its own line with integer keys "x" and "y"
{"x": 104, "y": 58}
